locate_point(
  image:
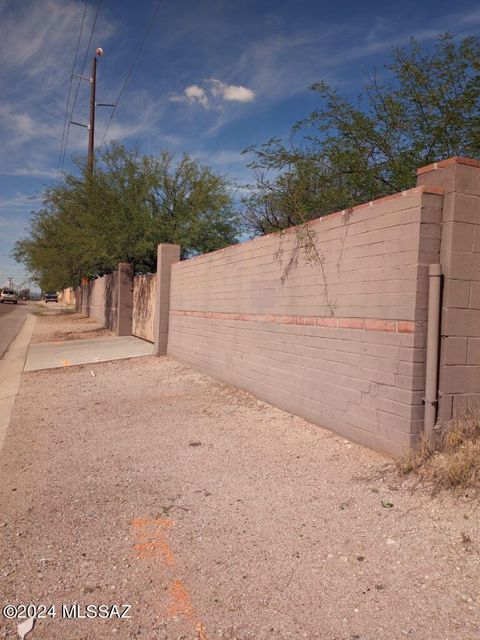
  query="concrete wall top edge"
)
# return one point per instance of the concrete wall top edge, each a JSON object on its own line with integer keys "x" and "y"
{"x": 420, "y": 190}
{"x": 446, "y": 163}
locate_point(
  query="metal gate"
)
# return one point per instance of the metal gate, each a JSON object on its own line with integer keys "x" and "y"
{"x": 144, "y": 305}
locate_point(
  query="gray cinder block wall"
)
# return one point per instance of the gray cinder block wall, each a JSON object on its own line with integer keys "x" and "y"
{"x": 129, "y": 304}
{"x": 340, "y": 339}
{"x": 459, "y": 382}
{"x": 167, "y": 256}
{"x": 98, "y": 300}
{"x": 144, "y": 306}
{"x": 124, "y": 306}
{"x": 109, "y": 300}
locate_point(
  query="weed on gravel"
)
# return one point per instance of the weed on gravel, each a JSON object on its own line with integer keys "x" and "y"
{"x": 454, "y": 461}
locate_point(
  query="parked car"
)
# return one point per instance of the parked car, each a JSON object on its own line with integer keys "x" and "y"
{"x": 8, "y": 295}
{"x": 51, "y": 296}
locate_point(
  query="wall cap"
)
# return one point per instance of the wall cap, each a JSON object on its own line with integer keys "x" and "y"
{"x": 470, "y": 162}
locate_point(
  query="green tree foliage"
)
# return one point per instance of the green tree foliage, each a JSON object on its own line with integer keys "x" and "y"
{"x": 344, "y": 153}
{"x": 90, "y": 223}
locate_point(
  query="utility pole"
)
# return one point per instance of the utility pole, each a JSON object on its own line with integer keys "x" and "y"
{"x": 91, "y": 126}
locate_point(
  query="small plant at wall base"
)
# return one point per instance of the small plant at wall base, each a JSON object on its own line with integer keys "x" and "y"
{"x": 89, "y": 224}
{"x": 454, "y": 463}
{"x": 344, "y": 153}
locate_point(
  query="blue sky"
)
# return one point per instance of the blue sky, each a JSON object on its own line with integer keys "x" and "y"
{"x": 214, "y": 77}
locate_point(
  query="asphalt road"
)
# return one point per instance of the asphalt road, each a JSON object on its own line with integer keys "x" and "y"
{"x": 12, "y": 317}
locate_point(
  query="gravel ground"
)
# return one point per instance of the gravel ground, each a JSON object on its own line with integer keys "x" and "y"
{"x": 217, "y": 516}
{"x": 58, "y": 327}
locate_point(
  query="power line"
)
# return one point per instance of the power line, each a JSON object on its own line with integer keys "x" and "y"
{"x": 80, "y": 80}
{"x": 70, "y": 87}
{"x": 130, "y": 70}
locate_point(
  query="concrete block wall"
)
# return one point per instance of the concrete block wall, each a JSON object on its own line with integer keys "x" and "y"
{"x": 98, "y": 300}
{"x": 109, "y": 300}
{"x": 123, "y": 325}
{"x": 167, "y": 256}
{"x": 328, "y": 321}
{"x": 67, "y": 296}
{"x": 338, "y": 339}
{"x": 459, "y": 382}
{"x": 144, "y": 306}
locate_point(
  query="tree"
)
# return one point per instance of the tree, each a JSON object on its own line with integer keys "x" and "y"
{"x": 90, "y": 223}
{"x": 345, "y": 153}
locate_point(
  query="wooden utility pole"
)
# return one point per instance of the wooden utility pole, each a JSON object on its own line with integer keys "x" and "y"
{"x": 91, "y": 126}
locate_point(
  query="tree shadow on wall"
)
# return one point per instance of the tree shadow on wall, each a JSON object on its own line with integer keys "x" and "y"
{"x": 86, "y": 298}
{"x": 144, "y": 300}
{"x": 110, "y": 300}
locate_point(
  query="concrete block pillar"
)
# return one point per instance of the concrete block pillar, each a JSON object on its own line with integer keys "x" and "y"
{"x": 459, "y": 383}
{"x": 167, "y": 255}
{"x": 124, "y": 299}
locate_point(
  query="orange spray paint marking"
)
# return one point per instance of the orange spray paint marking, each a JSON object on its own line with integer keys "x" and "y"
{"x": 180, "y": 601}
{"x": 150, "y": 543}
{"x": 150, "y": 540}
{"x": 66, "y": 363}
{"x": 201, "y": 631}
{"x": 181, "y": 605}
{"x": 154, "y": 550}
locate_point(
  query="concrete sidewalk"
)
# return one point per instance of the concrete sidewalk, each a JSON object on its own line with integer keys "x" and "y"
{"x": 52, "y": 355}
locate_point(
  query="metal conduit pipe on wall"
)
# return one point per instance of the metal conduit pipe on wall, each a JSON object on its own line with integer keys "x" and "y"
{"x": 433, "y": 336}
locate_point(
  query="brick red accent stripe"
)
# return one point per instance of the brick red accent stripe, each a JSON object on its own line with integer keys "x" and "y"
{"x": 367, "y": 324}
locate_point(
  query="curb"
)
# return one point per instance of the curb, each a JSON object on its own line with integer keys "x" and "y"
{"x": 11, "y": 368}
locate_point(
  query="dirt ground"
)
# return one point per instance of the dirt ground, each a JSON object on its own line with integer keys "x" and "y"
{"x": 58, "y": 327}
{"x": 217, "y": 516}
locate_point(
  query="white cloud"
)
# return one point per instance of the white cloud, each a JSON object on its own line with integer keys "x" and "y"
{"x": 285, "y": 64}
{"x": 30, "y": 171}
{"x": 231, "y": 92}
{"x": 126, "y": 123}
{"x": 195, "y": 94}
{"x": 21, "y": 200}
{"x": 192, "y": 94}
{"x": 37, "y": 40}
{"x": 380, "y": 25}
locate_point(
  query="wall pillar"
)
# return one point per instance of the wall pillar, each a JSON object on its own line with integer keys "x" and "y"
{"x": 459, "y": 382}
{"x": 167, "y": 255}
{"x": 124, "y": 299}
